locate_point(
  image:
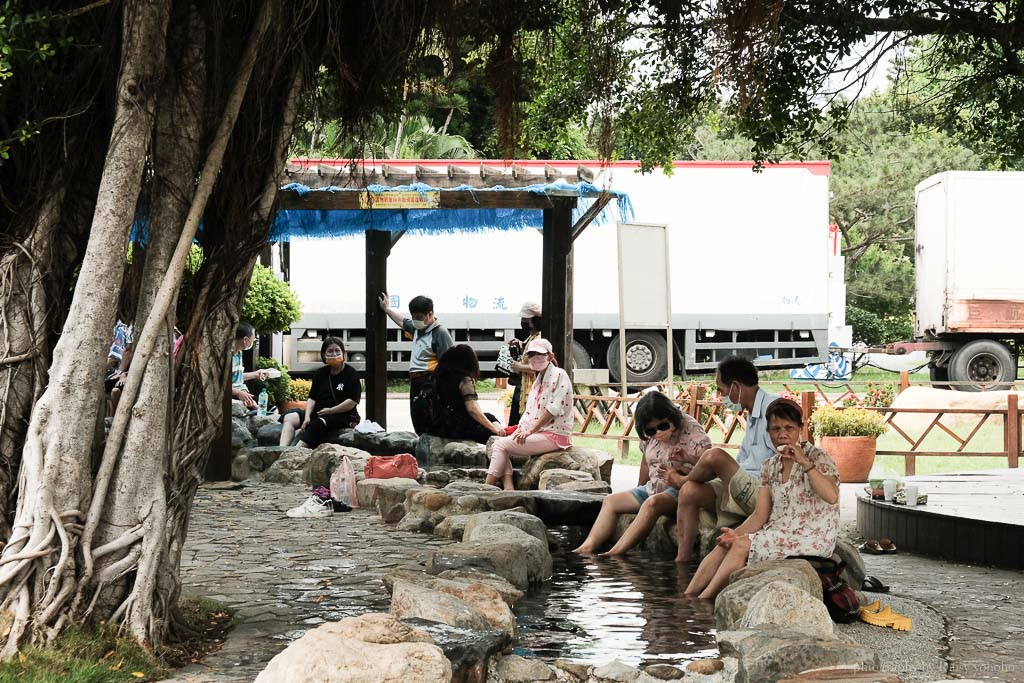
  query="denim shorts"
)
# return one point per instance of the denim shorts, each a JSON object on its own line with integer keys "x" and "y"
{"x": 641, "y": 493}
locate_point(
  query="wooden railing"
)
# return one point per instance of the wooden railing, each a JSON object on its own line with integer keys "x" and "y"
{"x": 613, "y": 417}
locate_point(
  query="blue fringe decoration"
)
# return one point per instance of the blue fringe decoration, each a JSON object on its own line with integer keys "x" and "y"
{"x": 327, "y": 224}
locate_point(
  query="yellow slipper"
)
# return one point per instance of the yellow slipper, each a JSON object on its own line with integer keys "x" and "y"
{"x": 873, "y": 607}
{"x": 885, "y": 618}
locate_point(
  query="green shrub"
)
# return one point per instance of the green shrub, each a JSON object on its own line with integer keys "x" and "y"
{"x": 298, "y": 389}
{"x": 867, "y": 326}
{"x": 270, "y": 304}
{"x": 278, "y": 389}
{"x": 897, "y": 328}
{"x": 829, "y": 421}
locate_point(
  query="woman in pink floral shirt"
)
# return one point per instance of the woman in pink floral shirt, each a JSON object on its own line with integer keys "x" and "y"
{"x": 797, "y": 509}
{"x": 671, "y": 442}
{"x": 546, "y": 425}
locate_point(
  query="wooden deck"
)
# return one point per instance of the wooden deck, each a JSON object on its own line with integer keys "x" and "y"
{"x": 974, "y": 518}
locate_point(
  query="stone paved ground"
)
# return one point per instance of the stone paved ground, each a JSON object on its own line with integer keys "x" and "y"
{"x": 284, "y": 576}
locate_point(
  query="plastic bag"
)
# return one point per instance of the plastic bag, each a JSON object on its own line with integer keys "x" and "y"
{"x": 343, "y": 484}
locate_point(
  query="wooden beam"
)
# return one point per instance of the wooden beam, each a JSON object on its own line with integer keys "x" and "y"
{"x": 395, "y": 236}
{"x": 378, "y": 248}
{"x": 593, "y": 212}
{"x": 556, "y": 288}
{"x": 512, "y": 199}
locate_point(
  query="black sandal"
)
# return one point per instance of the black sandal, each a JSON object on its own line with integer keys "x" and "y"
{"x": 873, "y": 585}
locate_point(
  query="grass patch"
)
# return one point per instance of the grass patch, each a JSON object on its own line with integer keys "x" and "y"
{"x": 401, "y": 386}
{"x": 103, "y": 654}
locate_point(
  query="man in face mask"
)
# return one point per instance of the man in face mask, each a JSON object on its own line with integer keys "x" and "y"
{"x": 725, "y": 486}
{"x": 245, "y": 337}
{"x": 429, "y": 338}
{"x": 530, "y": 327}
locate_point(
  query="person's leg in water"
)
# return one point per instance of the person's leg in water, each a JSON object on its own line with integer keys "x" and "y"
{"x": 735, "y": 558}
{"x": 692, "y": 497}
{"x": 623, "y": 503}
{"x": 653, "y": 508}
{"x": 706, "y": 571}
{"x": 504, "y": 448}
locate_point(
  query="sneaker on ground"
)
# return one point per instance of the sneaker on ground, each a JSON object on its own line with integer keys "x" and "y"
{"x": 312, "y": 507}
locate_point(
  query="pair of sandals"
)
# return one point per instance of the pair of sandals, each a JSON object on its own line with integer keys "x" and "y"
{"x": 877, "y": 615}
{"x": 879, "y": 547}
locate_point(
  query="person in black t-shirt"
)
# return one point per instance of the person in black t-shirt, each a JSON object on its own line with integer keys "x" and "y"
{"x": 332, "y": 402}
{"x": 455, "y": 382}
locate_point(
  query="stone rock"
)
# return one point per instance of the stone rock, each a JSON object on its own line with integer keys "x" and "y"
{"x": 618, "y": 672}
{"x": 326, "y": 457}
{"x": 289, "y": 468}
{"x": 240, "y": 467}
{"x": 847, "y": 675}
{"x": 269, "y": 435}
{"x": 579, "y": 671}
{"x": 453, "y": 527}
{"x": 371, "y": 647}
{"x": 507, "y": 560}
{"x": 785, "y": 605}
{"x": 661, "y": 542}
{"x": 434, "y": 450}
{"x": 705, "y": 667}
{"x": 257, "y": 422}
{"x": 516, "y": 669}
{"x": 555, "y": 508}
{"x": 387, "y": 496}
{"x": 585, "y": 487}
{"x": 509, "y": 593}
{"x": 470, "y": 486}
{"x": 463, "y": 605}
{"x": 238, "y": 410}
{"x": 732, "y": 603}
{"x": 534, "y": 467}
{"x": 240, "y": 436}
{"x": 549, "y": 479}
{"x": 469, "y": 651}
{"x": 855, "y": 570}
{"x": 777, "y": 653}
{"x": 262, "y": 457}
{"x": 517, "y": 518}
{"x": 666, "y": 672}
{"x": 598, "y": 463}
{"x": 538, "y": 558}
{"x": 381, "y": 443}
{"x": 438, "y": 478}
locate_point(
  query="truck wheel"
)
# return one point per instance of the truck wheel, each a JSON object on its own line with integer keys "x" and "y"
{"x": 983, "y": 360}
{"x": 645, "y": 357}
{"x": 580, "y": 358}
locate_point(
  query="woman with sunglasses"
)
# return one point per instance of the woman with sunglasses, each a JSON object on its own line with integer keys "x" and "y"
{"x": 671, "y": 443}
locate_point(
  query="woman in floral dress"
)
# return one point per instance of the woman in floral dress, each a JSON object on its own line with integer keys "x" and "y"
{"x": 797, "y": 509}
{"x": 546, "y": 425}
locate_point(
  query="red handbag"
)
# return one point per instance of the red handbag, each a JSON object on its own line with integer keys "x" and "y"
{"x": 390, "y": 466}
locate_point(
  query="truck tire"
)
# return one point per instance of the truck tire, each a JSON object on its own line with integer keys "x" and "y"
{"x": 581, "y": 360}
{"x": 645, "y": 357}
{"x": 982, "y": 360}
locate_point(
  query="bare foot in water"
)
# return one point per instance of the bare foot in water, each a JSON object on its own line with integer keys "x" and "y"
{"x": 584, "y": 550}
{"x": 683, "y": 559}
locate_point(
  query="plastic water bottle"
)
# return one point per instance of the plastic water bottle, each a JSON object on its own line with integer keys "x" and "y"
{"x": 262, "y": 400}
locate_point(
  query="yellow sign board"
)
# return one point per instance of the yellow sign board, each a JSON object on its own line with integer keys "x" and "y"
{"x": 400, "y": 199}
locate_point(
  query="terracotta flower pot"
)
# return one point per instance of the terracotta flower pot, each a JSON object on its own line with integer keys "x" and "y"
{"x": 853, "y": 455}
{"x": 285, "y": 406}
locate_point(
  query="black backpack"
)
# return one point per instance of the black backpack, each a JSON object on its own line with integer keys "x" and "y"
{"x": 428, "y": 412}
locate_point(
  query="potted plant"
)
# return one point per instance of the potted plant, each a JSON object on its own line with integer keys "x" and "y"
{"x": 849, "y": 435}
{"x": 298, "y": 393}
{"x": 277, "y": 387}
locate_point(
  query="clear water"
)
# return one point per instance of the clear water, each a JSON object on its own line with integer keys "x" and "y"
{"x": 630, "y": 608}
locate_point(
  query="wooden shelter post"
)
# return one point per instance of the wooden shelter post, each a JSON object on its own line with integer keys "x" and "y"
{"x": 378, "y": 248}
{"x": 556, "y": 288}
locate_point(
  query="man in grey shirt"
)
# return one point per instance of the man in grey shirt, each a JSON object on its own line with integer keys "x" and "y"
{"x": 429, "y": 338}
{"x": 718, "y": 483}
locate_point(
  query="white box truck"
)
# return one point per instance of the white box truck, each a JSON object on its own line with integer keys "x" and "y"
{"x": 755, "y": 271}
{"x": 969, "y": 257}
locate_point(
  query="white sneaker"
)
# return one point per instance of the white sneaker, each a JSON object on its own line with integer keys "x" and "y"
{"x": 313, "y": 507}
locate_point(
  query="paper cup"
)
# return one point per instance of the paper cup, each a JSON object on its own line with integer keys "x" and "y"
{"x": 889, "y": 488}
{"x": 911, "y": 496}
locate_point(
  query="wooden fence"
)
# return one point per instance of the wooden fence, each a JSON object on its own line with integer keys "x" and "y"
{"x": 602, "y": 416}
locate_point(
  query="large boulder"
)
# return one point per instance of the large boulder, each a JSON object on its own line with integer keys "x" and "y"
{"x": 517, "y": 518}
{"x": 538, "y": 557}
{"x": 732, "y": 603}
{"x": 269, "y": 435}
{"x": 601, "y": 487}
{"x": 534, "y": 467}
{"x": 326, "y": 457}
{"x": 372, "y": 648}
{"x": 784, "y": 605}
{"x": 238, "y": 410}
{"x": 509, "y": 593}
{"x": 855, "y": 570}
{"x": 257, "y": 422}
{"x": 507, "y": 560}
{"x": 434, "y": 450}
{"x": 661, "y": 542}
{"x": 550, "y": 479}
{"x": 469, "y": 651}
{"x": 776, "y": 653}
{"x": 619, "y": 672}
{"x": 472, "y": 606}
{"x": 386, "y": 495}
{"x": 240, "y": 470}
{"x": 290, "y": 467}
{"x": 455, "y": 579}
{"x": 262, "y": 457}
{"x": 516, "y": 669}
{"x": 241, "y": 437}
{"x": 381, "y": 443}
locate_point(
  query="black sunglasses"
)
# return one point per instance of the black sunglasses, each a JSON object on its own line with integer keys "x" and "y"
{"x": 660, "y": 427}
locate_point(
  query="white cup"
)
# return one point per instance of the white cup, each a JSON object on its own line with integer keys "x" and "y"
{"x": 889, "y": 488}
{"x": 911, "y": 492}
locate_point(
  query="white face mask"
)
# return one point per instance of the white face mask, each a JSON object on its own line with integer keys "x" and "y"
{"x": 419, "y": 325}
{"x": 539, "y": 363}
{"x": 734, "y": 406}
